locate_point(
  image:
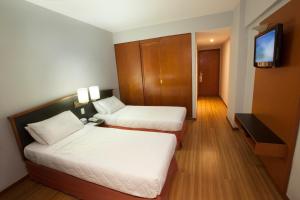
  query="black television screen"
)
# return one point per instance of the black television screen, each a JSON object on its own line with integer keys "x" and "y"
{"x": 267, "y": 47}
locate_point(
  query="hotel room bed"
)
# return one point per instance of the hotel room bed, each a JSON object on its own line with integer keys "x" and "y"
{"x": 168, "y": 119}
{"x": 132, "y": 162}
{"x": 93, "y": 162}
{"x": 163, "y": 118}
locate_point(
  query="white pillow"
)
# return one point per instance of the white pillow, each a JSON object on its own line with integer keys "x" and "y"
{"x": 35, "y": 136}
{"x": 111, "y": 104}
{"x": 58, "y": 127}
{"x": 99, "y": 108}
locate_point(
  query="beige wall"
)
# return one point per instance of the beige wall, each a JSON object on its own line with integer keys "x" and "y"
{"x": 43, "y": 56}
{"x": 224, "y": 71}
{"x": 254, "y": 8}
{"x": 293, "y": 189}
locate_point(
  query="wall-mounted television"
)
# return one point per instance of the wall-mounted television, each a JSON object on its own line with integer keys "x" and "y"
{"x": 268, "y": 47}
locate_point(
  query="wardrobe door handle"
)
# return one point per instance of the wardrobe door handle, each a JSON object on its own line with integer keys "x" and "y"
{"x": 161, "y": 81}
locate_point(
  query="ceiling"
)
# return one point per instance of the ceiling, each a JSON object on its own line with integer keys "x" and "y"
{"x": 119, "y": 15}
{"x": 219, "y": 37}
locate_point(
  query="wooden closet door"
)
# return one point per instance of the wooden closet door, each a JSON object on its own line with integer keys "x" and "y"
{"x": 176, "y": 71}
{"x": 129, "y": 68}
{"x": 151, "y": 71}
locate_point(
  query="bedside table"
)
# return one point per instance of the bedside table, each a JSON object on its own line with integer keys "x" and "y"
{"x": 99, "y": 123}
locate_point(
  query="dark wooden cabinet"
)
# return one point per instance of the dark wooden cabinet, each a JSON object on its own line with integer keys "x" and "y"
{"x": 165, "y": 69}
{"x": 129, "y": 67}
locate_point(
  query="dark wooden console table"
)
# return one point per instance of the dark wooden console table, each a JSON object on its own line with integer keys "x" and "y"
{"x": 262, "y": 140}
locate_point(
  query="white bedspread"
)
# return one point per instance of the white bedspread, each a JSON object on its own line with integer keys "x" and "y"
{"x": 164, "y": 118}
{"x": 132, "y": 162}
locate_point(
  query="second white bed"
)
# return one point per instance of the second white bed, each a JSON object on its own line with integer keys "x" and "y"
{"x": 132, "y": 162}
{"x": 164, "y": 118}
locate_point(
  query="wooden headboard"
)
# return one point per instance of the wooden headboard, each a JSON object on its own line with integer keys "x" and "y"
{"x": 45, "y": 111}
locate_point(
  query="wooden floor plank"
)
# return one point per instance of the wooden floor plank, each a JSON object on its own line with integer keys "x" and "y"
{"x": 20, "y": 191}
{"x": 214, "y": 164}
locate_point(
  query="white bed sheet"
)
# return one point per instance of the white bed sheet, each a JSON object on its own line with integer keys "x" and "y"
{"x": 133, "y": 162}
{"x": 164, "y": 118}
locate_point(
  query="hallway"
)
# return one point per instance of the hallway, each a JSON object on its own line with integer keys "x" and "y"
{"x": 216, "y": 164}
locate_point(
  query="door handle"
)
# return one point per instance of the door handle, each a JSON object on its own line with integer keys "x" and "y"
{"x": 201, "y": 77}
{"x": 161, "y": 81}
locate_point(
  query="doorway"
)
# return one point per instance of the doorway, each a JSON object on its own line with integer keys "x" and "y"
{"x": 213, "y": 61}
{"x": 208, "y": 72}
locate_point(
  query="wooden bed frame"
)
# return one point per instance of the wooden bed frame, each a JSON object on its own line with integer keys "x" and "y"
{"x": 61, "y": 181}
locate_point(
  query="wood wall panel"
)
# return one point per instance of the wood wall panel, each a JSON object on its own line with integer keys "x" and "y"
{"x": 151, "y": 71}
{"x": 176, "y": 71}
{"x": 129, "y": 67}
{"x": 276, "y": 100}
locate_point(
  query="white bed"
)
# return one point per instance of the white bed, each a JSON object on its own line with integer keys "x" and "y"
{"x": 133, "y": 162}
{"x": 164, "y": 118}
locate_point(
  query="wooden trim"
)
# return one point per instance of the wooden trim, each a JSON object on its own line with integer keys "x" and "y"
{"x": 86, "y": 190}
{"x": 213, "y": 49}
{"x": 17, "y": 137}
{"x": 233, "y": 128}
{"x": 223, "y": 101}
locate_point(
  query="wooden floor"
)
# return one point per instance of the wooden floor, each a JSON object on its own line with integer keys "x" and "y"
{"x": 214, "y": 164}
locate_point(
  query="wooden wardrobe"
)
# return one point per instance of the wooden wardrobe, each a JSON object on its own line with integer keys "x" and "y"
{"x": 156, "y": 71}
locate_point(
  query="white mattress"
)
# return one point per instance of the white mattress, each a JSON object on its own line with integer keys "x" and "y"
{"x": 164, "y": 118}
{"x": 133, "y": 162}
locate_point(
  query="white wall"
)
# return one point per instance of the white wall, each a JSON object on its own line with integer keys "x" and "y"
{"x": 193, "y": 25}
{"x": 43, "y": 56}
{"x": 197, "y": 24}
{"x": 237, "y": 63}
{"x": 254, "y": 8}
{"x": 293, "y": 189}
{"x": 224, "y": 71}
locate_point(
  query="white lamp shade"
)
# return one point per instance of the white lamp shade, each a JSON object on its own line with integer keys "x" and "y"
{"x": 94, "y": 92}
{"x": 83, "y": 95}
